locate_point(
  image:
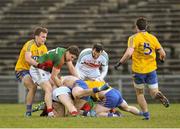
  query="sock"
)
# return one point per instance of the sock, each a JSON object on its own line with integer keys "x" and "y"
{"x": 110, "y": 114}
{"x": 86, "y": 107}
{"x": 91, "y": 113}
{"x": 146, "y": 115}
{"x": 141, "y": 113}
{"x": 85, "y": 113}
{"x": 74, "y": 113}
{"x": 28, "y": 108}
{"x": 49, "y": 110}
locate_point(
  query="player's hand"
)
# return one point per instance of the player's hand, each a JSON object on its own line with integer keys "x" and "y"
{"x": 162, "y": 61}
{"x": 102, "y": 88}
{"x": 117, "y": 65}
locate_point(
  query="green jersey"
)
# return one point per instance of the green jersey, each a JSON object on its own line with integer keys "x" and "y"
{"x": 52, "y": 58}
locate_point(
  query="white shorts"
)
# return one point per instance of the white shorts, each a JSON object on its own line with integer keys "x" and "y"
{"x": 39, "y": 75}
{"x": 59, "y": 91}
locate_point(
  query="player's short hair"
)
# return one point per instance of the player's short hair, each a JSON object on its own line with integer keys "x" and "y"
{"x": 73, "y": 49}
{"x": 141, "y": 23}
{"x": 38, "y": 30}
{"x": 98, "y": 47}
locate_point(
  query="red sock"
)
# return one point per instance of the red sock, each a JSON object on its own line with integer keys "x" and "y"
{"x": 74, "y": 113}
{"x": 86, "y": 107}
{"x": 49, "y": 110}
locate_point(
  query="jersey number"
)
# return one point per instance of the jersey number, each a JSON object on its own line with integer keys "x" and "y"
{"x": 147, "y": 49}
{"x": 53, "y": 50}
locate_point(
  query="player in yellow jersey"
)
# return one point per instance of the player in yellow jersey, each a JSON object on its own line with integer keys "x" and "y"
{"x": 142, "y": 47}
{"x": 30, "y": 52}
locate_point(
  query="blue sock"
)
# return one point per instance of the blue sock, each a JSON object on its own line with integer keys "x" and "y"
{"x": 85, "y": 113}
{"x": 28, "y": 108}
{"x": 28, "y": 114}
{"x": 110, "y": 114}
{"x": 141, "y": 113}
{"x": 146, "y": 115}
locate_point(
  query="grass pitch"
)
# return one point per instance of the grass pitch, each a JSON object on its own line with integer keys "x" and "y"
{"x": 12, "y": 116}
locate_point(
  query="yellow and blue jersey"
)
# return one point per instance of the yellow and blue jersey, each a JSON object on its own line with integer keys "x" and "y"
{"x": 144, "y": 55}
{"x": 90, "y": 85}
{"x": 29, "y": 46}
{"x": 113, "y": 97}
{"x": 93, "y": 84}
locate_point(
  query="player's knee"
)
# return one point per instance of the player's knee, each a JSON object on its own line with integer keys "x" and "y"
{"x": 153, "y": 93}
{"x": 139, "y": 91}
{"x": 75, "y": 94}
{"x": 29, "y": 84}
{"x": 32, "y": 88}
{"x": 124, "y": 106}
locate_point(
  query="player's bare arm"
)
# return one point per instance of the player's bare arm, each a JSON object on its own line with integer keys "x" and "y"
{"x": 162, "y": 54}
{"x": 72, "y": 69}
{"x": 54, "y": 76}
{"x": 127, "y": 55}
{"x": 29, "y": 59}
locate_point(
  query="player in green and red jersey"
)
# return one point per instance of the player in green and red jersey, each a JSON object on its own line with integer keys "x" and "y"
{"x": 45, "y": 74}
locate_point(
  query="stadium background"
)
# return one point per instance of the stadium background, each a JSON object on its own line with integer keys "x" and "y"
{"x": 83, "y": 22}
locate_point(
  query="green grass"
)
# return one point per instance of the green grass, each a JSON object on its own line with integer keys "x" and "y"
{"x": 12, "y": 116}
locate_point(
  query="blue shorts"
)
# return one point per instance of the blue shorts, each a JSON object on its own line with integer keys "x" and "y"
{"x": 83, "y": 85}
{"x": 113, "y": 99}
{"x": 21, "y": 74}
{"x": 148, "y": 78}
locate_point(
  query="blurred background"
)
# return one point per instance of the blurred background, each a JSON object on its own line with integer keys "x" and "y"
{"x": 84, "y": 22}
